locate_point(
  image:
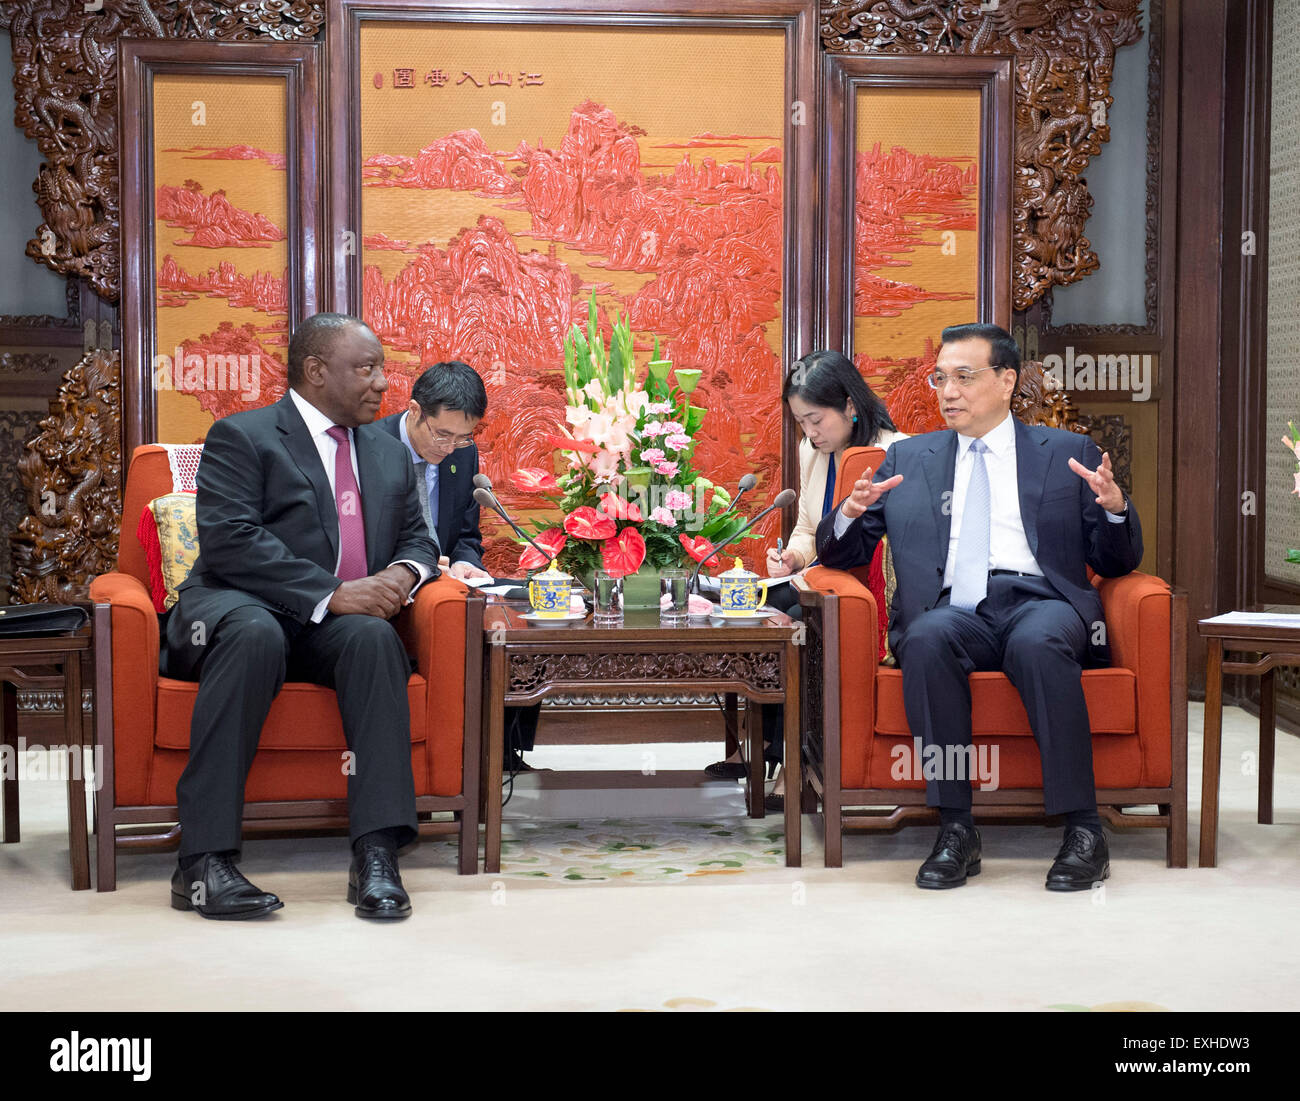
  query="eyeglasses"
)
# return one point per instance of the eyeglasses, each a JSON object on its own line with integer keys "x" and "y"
{"x": 938, "y": 380}
{"x": 456, "y": 442}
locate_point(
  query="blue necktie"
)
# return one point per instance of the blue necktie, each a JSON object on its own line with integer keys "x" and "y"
{"x": 970, "y": 575}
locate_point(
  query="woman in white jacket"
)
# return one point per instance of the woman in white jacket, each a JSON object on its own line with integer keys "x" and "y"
{"x": 835, "y": 409}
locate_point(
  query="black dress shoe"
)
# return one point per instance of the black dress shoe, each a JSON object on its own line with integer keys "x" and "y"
{"x": 374, "y": 885}
{"x": 956, "y": 854}
{"x": 727, "y": 770}
{"x": 217, "y": 889}
{"x": 1084, "y": 859}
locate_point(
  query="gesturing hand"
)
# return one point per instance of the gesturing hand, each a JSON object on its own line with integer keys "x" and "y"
{"x": 866, "y": 493}
{"x": 1102, "y": 483}
{"x": 381, "y": 594}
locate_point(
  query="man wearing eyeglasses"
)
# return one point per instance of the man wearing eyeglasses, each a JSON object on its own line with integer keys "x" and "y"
{"x": 993, "y": 524}
{"x": 447, "y": 403}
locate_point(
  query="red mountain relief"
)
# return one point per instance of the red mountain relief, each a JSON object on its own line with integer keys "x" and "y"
{"x": 460, "y": 161}
{"x": 260, "y": 291}
{"x": 899, "y": 196}
{"x": 213, "y": 220}
{"x": 232, "y": 153}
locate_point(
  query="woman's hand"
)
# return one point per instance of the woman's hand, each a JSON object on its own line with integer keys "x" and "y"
{"x": 784, "y": 563}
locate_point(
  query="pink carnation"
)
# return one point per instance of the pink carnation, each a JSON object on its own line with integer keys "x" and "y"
{"x": 663, "y": 516}
{"x": 651, "y": 429}
{"x": 652, "y": 455}
{"x": 668, "y": 470}
{"x": 677, "y": 499}
{"x": 672, "y": 428}
{"x": 678, "y": 442}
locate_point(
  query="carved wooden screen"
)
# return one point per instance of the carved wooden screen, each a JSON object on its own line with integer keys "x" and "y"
{"x": 495, "y": 166}
{"x": 219, "y": 228}
{"x": 917, "y": 218}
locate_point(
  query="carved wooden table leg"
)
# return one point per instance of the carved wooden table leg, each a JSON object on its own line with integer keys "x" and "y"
{"x": 11, "y": 764}
{"x": 496, "y": 734}
{"x": 78, "y": 841}
{"x": 1210, "y": 753}
{"x": 793, "y": 765}
{"x": 1267, "y": 732}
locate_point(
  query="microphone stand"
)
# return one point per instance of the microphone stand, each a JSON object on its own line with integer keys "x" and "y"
{"x": 784, "y": 498}
{"x": 487, "y": 499}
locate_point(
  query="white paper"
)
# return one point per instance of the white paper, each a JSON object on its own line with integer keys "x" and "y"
{"x": 1258, "y": 619}
{"x": 476, "y": 582}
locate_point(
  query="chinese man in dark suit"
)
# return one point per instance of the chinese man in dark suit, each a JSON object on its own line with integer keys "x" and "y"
{"x": 993, "y": 525}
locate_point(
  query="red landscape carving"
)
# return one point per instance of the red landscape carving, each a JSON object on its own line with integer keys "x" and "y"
{"x": 214, "y": 222}
{"x": 232, "y": 153}
{"x": 460, "y": 161}
{"x": 898, "y": 196}
{"x": 260, "y": 291}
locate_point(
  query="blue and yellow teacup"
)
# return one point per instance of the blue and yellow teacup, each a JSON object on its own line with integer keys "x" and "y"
{"x": 741, "y": 592}
{"x": 549, "y": 593}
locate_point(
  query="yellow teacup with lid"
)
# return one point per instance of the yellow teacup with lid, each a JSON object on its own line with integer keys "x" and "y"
{"x": 741, "y": 592}
{"x": 549, "y": 593}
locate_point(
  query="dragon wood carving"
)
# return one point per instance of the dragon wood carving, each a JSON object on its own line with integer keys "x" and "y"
{"x": 1065, "y": 54}
{"x": 66, "y": 82}
{"x": 72, "y": 473}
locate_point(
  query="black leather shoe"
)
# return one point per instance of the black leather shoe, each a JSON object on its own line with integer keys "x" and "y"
{"x": 374, "y": 885}
{"x": 1083, "y": 860}
{"x": 727, "y": 770}
{"x": 956, "y": 855}
{"x": 217, "y": 889}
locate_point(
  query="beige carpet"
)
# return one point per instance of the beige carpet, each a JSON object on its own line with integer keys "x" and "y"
{"x": 691, "y": 912}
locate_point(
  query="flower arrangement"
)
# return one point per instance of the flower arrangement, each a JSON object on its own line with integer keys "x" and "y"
{"x": 1292, "y": 444}
{"x": 629, "y": 494}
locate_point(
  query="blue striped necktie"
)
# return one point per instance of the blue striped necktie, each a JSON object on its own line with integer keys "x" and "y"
{"x": 970, "y": 575}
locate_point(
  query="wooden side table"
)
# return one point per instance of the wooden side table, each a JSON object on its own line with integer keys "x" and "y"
{"x": 1276, "y": 645}
{"x": 24, "y": 663}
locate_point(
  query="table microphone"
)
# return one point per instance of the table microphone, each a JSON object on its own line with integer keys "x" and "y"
{"x": 487, "y": 499}
{"x": 745, "y": 484}
{"x": 784, "y": 498}
{"x": 482, "y": 481}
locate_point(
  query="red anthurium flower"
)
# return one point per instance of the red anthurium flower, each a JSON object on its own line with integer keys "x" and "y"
{"x": 624, "y": 553}
{"x": 565, "y": 443}
{"x": 587, "y": 523}
{"x": 611, "y": 504}
{"x": 696, "y": 546}
{"x": 552, "y": 539}
{"x": 533, "y": 479}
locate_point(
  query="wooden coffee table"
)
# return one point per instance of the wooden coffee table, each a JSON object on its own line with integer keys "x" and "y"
{"x": 1275, "y": 646}
{"x": 525, "y": 661}
{"x": 28, "y": 663}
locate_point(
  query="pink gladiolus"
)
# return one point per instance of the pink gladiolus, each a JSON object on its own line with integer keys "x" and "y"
{"x": 1296, "y": 490}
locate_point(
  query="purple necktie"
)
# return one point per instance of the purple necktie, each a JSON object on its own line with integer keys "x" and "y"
{"x": 347, "y": 501}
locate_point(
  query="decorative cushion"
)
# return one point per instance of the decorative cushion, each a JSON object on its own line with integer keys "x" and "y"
{"x": 169, "y": 534}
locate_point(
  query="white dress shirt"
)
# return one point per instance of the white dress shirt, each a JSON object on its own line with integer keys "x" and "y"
{"x": 1008, "y": 546}
{"x": 318, "y": 424}
{"x": 430, "y": 475}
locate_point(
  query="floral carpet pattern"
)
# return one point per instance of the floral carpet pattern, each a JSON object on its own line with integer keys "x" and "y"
{"x": 639, "y": 852}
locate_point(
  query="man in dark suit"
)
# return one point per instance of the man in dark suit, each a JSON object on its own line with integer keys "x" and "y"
{"x": 993, "y": 524}
{"x": 447, "y": 403}
{"x": 310, "y": 540}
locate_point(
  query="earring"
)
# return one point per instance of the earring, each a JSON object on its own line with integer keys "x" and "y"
{"x": 855, "y": 418}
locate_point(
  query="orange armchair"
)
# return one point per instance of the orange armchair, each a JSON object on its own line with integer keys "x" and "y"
{"x": 296, "y": 782}
{"x": 853, "y": 718}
